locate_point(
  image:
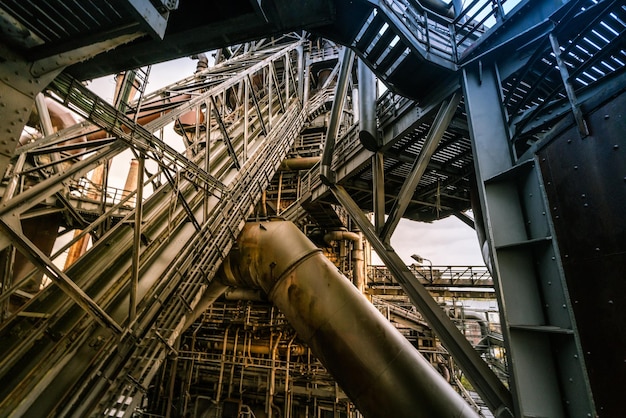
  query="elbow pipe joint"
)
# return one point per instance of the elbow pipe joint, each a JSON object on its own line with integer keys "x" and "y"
{"x": 381, "y": 372}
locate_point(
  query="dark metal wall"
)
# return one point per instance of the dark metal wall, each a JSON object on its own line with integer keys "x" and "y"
{"x": 585, "y": 180}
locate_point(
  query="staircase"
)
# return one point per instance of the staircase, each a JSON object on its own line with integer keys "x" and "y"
{"x": 60, "y": 360}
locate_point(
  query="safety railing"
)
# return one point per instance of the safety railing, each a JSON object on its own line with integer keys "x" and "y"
{"x": 85, "y": 190}
{"x": 445, "y": 37}
{"x": 436, "y": 276}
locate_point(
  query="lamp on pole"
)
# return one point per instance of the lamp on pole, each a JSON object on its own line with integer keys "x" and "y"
{"x": 420, "y": 260}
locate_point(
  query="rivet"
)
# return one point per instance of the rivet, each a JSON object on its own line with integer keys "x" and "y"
{"x": 566, "y": 255}
{"x": 575, "y": 355}
{"x": 583, "y": 195}
{"x": 530, "y": 194}
{"x": 569, "y": 141}
{"x": 557, "y": 217}
{"x": 606, "y": 116}
{"x": 543, "y": 213}
{"x": 549, "y": 283}
{"x": 575, "y": 167}
{"x": 554, "y": 208}
{"x": 571, "y": 380}
{"x": 586, "y": 205}
{"x": 615, "y": 147}
{"x": 564, "y": 306}
{"x": 553, "y": 258}
{"x": 610, "y": 302}
{"x": 597, "y": 248}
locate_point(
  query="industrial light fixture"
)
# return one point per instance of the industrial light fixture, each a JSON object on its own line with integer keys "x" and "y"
{"x": 420, "y": 259}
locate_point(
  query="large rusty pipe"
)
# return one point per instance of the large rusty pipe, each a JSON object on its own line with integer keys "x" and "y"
{"x": 382, "y": 373}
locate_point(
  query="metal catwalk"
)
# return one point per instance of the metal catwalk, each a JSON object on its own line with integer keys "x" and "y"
{"x": 514, "y": 110}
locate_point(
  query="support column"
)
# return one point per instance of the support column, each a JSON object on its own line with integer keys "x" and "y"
{"x": 547, "y": 377}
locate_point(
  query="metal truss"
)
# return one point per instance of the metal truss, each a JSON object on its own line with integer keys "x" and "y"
{"x": 164, "y": 292}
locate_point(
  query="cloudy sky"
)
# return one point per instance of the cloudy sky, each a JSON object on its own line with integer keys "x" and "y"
{"x": 448, "y": 242}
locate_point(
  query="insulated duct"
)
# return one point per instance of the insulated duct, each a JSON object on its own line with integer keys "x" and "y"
{"x": 382, "y": 373}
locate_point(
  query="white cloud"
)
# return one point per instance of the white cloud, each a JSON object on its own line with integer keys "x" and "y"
{"x": 448, "y": 242}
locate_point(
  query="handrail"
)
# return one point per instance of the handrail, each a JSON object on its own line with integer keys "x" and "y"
{"x": 436, "y": 276}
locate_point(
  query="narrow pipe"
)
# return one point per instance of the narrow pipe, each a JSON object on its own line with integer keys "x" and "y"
{"x": 357, "y": 254}
{"x": 382, "y": 373}
{"x": 132, "y": 305}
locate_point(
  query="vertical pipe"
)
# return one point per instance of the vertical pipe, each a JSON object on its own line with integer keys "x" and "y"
{"x": 301, "y": 77}
{"x": 270, "y": 98}
{"x": 349, "y": 336}
{"x": 46, "y": 124}
{"x": 132, "y": 307}
{"x": 220, "y": 381}
{"x": 207, "y": 156}
{"x": 287, "y": 412}
{"x": 368, "y": 131}
{"x": 378, "y": 179}
{"x": 287, "y": 71}
{"x": 171, "y": 384}
{"x": 246, "y": 120}
{"x": 280, "y": 188}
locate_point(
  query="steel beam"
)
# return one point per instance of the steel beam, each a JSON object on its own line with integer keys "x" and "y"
{"x": 486, "y": 383}
{"x": 81, "y": 100}
{"x": 569, "y": 89}
{"x": 378, "y": 179}
{"x": 134, "y": 283}
{"x": 66, "y": 284}
{"x": 153, "y": 20}
{"x": 546, "y": 375}
{"x": 437, "y": 129}
{"x": 335, "y": 115}
{"x": 225, "y": 136}
{"x": 53, "y": 184}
